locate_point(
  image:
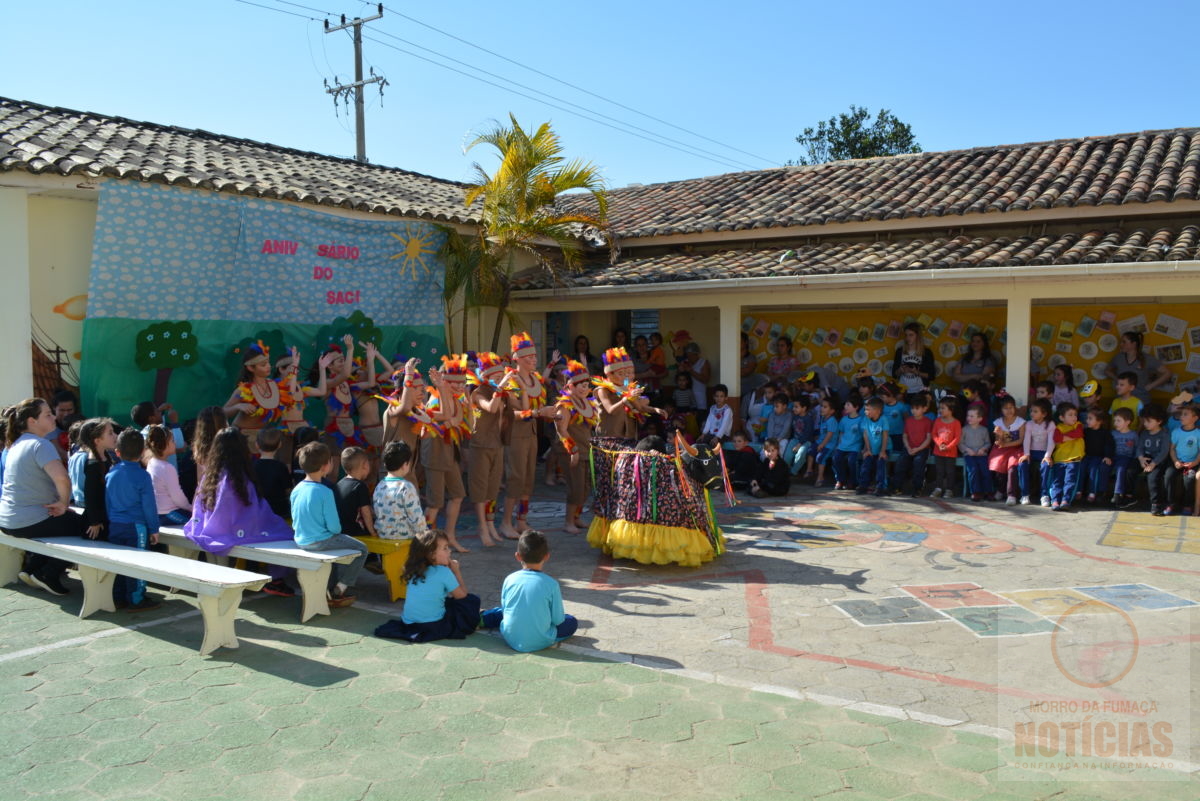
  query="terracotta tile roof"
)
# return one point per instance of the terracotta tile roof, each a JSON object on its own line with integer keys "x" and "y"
{"x": 41, "y": 139}
{"x": 1124, "y": 169}
{"x": 1097, "y": 246}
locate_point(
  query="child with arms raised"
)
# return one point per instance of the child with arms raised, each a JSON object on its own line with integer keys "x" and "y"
{"x": 530, "y": 616}
{"x": 437, "y": 605}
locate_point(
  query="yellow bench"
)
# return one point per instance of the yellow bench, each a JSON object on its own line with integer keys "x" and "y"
{"x": 393, "y": 554}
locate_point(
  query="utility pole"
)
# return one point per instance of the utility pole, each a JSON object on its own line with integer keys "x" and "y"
{"x": 342, "y": 91}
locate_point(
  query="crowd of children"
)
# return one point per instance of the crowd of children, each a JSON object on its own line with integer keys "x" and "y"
{"x": 1063, "y": 449}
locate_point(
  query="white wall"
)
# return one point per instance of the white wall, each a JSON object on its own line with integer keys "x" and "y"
{"x": 16, "y": 361}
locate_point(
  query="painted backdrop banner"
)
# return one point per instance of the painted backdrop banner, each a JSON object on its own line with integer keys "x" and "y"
{"x": 181, "y": 279}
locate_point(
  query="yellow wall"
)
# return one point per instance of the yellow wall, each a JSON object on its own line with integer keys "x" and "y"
{"x": 1056, "y": 334}
{"x": 60, "y": 257}
{"x": 876, "y": 332}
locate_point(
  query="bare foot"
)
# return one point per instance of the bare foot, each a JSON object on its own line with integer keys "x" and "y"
{"x": 572, "y": 529}
{"x": 458, "y": 548}
{"x": 550, "y": 482}
{"x": 508, "y": 532}
{"x": 522, "y": 526}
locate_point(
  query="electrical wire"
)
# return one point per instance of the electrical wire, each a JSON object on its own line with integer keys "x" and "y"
{"x": 575, "y": 87}
{"x": 729, "y": 160}
{"x": 692, "y": 150}
{"x": 719, "y": 160}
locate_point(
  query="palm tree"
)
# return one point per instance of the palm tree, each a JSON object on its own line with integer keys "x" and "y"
{"x": 519, "y": 214}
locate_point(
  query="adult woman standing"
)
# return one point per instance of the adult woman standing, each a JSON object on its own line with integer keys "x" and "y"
{"x": 1150, "y": 372}
{"x": 749, "y": 363}
{"x": 978, "y": 363}
{"x": 37, "y": 491}
{"x": 583, "y": 355}
{"x": 913, "y": 365}
{"x": 784, "y": 362}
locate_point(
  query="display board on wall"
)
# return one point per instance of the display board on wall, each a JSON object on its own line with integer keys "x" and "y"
{"x": 1083, "y": 337}
{"x": 181, "y": 279}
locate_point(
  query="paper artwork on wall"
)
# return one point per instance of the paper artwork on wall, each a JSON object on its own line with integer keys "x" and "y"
{"x": 860, "y": 355}
{"x": 1088, "y": 350}
{"x": 1086, "y": 326}
{"x": 1108, "y": 343}
{"x": 879, "y": 332}
{"x": 1062, "y": 347}
{"x": 955, "y": 330}
{"x": 1066, "y": 330}
{"x": 937, "y": 327}
{"x": 1106, "y": 321}
{"x": 1169, "y": 326}
{"x": 1193, "y": 363}
{"x": 1193, "y": 336}
{"x": 1136, "y": 324}
{"x": 1170, "y": 354}
{"x": 1045, "y": 333}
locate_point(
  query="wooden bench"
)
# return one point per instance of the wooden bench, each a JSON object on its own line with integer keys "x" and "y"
{"x": 218, "y": 588}
{"x": 312, "y": 567}
{"x": 393, "y": 554}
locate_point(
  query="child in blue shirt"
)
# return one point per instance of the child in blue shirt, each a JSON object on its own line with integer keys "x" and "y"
{"x": 437, "y": 605}
{"x": 132, "y": 516}
{"x": 530, "y": 616}
{"x": 805, "y": 426}
{"x": 316, "y": 522}
{"x": 1124, "y": 450}
{"x": 849, "y": 444}
{"x": 872, "y": 475}
{"x": 1185, "y": 456}
{"x": 827, "y": 438}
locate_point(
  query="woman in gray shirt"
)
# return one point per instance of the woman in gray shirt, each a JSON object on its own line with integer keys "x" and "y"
{"x": 36, "y": 491}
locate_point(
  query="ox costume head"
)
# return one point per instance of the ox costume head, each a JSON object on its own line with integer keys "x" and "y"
{"x": 700, "y": 463}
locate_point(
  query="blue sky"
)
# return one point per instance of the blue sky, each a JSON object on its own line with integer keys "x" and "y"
{"x": 750, "y": 75}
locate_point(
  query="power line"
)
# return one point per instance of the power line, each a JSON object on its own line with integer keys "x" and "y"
{"x": 577, "y": 88}
{"x": 720, "y": 160}
{"x": 602, "y": 119}
{"x": 725, "y": 159}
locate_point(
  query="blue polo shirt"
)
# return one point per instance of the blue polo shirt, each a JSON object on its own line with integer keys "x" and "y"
{"x": 876, "y": 430}
{"x": 850, "y": 433}
{"x": 894, "y": 415}
{"x": 1187, "y": 443}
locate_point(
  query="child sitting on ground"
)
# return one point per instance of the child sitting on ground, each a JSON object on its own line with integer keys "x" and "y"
{"x": 742, "y": 461}
{"x": 530, "y": 616}
{"x": 132, "y": 516}
{"x": 352, "y": 495}
{"x": 398, "y": 514}
{"x": 437, "y": 605}
{"x": 318, "y": 528}
{"x": 773, "y": 476}
{"x": 273, "y": 476}
{"x": 227, "y": 510}
{"x": 720, "y": 418}
{"x": 174, "y": 508}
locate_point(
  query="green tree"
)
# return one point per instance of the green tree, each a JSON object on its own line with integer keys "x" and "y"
{"x": 851, "y": 136}
{"x": 358, "y": 325}
{"x": 519, "y": 214}
{"x": 163, "y": 347}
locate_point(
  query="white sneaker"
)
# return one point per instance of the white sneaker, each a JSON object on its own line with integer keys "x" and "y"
{"x": 1012, "y": 500}
{"x": 1046, "y": 501}
{"x": 1025, "y": 500}
{"x": 937, "y": 493}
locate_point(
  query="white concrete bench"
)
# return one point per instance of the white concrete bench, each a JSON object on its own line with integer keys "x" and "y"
{"x": 218, "y": 588}
{"x": 312, "y": 568}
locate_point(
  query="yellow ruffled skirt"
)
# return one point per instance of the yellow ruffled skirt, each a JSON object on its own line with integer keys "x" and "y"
{"x": 649, "y": 543}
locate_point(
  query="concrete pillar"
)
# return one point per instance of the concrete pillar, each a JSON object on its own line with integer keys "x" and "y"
{"x": 1017, "y": 358}
{"x": 16, "y": 322}
{"x": 730, "y": 356}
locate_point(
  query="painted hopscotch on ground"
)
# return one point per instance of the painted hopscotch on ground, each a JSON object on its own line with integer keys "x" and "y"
{"x": 1140, "y": 531}
{"x": 1011, "y": 613}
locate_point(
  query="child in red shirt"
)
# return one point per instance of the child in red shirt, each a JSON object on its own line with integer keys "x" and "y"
{"x": 918, "y": 430}
{"x": 947, "y": 432}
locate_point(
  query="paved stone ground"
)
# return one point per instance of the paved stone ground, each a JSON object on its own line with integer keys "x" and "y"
{"x": 794, "y": 666}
